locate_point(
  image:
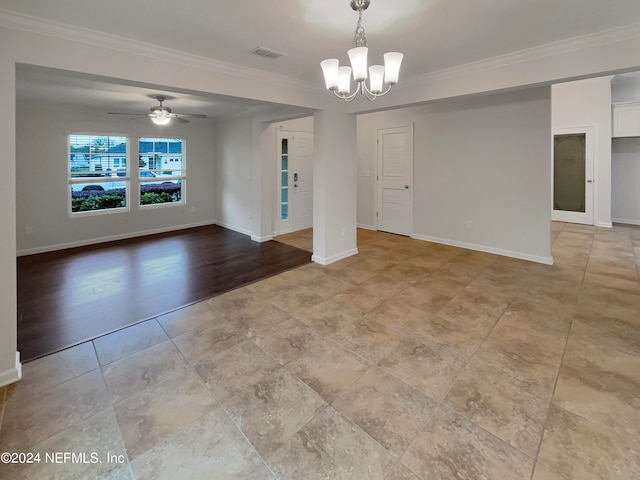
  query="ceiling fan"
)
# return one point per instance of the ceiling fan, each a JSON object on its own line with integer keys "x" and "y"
{"x": 161, "y": 115}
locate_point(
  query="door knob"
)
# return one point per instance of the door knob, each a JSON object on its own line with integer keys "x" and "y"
{"x": 589, "y": 181}
{"x": 406, "y": 186}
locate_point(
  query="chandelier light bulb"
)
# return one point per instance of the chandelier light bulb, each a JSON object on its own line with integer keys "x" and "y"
{"x": 338, "y": 79}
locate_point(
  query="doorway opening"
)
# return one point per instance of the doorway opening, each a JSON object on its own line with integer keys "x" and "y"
{"x": 293, "y": 222}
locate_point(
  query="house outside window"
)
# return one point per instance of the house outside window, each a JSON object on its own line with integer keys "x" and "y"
{"x": 161, "y": 171}
{"x": 98, "y": 177}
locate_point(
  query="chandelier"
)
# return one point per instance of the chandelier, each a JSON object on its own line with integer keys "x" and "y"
{"x": 338, "y": 79}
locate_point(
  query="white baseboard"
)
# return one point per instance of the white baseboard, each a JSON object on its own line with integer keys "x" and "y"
{"x": 110, "y": 238}
{"x": 11, "y": 375}
{"x": 263, "y": 239}
{"x": 483, "y": 248}
{"x": 366, "y": 227}
{"x": 604, "y": 224}
{"x": 626, "y": 221}
{"x": 234, "y": 228}
{"x": 333, "y": 258}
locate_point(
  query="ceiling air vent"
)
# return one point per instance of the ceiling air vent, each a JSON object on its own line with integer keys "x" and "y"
{"x": 266, "y": 53}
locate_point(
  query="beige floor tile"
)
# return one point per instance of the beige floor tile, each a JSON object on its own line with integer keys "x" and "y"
{"x": 407, "y": 272}
{"x": 142, "y": 370}
{"x": 286, "y": 341}
{"x": 52, "y": 411}
{"x": 148, "y": 418}
{"x": 536, "y": 317}
{"x": 98, "y": 445}
{"x": 398, "y": 316}
{"x": 387, "y": 409}
{"x": 211, "y": 447}
{"x": 601, "y": 385}
{"x": 596, "y": 296}
{"x": 328, "y": 368}
{"x": 608, "y": 331}
{"x": 475, "y": 309}
{"x": 452, "y": 447}
{"x": 520, "y": 362}
{"x": 122, "y": 343}
{"x": 510, "y": 408}
{"x": 234, "y": 369}
{"x": 356, "y": 301}
{"x": 430, "y": 367}
{"x": 324, "y": 319}
{"x": 301, "y": 297}
{"x": 269, "y": 287}
{"x": 272, "y": 410}
{"x": 580, "y": 450}
{"x": 53, "y": 370}
{"x": 186, "y": 319}
{"x": 459, "y": 338}
{"x": 367, "y": 338}
{"x": 400, "y": 472}
{"x": 330, "y": 446}
{"x": 421, "y": 297}
{"x": 632, "y": 286}
{"x": 205, "y": 342}
{"x": 543, "y": 473}
{"x": 239, "y": 299}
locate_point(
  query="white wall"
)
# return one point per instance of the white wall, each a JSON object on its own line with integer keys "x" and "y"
{"x": 587, "y": 103}
{"x": 42, "y": 188}
{"x": 485, "y": 159}
{"x": 625, "y": 157}
{"x": 625, "y": 180}
{"x": 233, "y": 186}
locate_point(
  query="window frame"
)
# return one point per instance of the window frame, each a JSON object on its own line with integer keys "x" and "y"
{"x": 182, "y": 177}
{"x": 98, "y": 180}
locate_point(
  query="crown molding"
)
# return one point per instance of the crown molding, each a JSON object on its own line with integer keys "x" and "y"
{"x": 531, "y": 54}
{"x": 31, "y": 24}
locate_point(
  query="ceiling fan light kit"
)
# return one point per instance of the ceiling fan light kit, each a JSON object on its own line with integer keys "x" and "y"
{"x": 161, "y": 115}
{"x": 338, "y": 79}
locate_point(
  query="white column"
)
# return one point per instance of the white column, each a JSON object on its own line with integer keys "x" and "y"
{"x": 334, "y": 185}
{"x": 10, "y": 368}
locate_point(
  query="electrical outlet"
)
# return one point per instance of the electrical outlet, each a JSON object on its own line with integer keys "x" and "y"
{"x": 469, "y": 224}
{"x": 28, "y": 230}
{"x": 193, "y": 209}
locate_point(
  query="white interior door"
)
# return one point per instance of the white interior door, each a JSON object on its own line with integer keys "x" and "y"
{"x": 295, "y": 181}
{"x": 395, "y": 180}
{"x": 573, "y": 180}
{"x": 302, "y": 211}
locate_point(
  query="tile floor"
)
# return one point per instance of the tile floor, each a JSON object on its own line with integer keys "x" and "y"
{"x": 408, "y": 361}
{"x": 302, "y": 239}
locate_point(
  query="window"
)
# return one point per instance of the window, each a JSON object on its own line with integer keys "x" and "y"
{"x": 161, "y": 183}
{"x": 98, "y": 177}
{"x": 284, "y": 184}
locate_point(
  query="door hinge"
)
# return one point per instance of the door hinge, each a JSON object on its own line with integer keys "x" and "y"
{"x": 376, "y": 214}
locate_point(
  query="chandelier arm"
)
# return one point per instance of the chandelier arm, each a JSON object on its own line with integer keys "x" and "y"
{"x": 348, "y": 98}
{"x": 372, "y": 96}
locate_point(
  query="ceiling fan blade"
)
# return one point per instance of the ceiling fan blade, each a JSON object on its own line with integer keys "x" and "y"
{"x": 194, "y": 115}
{"x": 123, "y": 113}
{"x": 182, "y": 120}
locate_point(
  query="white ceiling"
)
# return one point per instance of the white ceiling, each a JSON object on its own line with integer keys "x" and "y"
{"x": 433, "y": 34}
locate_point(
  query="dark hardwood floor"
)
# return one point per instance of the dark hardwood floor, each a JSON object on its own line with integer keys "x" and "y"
{"x": 70, "y": 296}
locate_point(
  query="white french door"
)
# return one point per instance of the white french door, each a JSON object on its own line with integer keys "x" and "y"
{"x": 395, "y": 180}
{"x": 573, "y": 179}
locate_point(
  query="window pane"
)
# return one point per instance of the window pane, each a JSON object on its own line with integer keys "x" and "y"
{"x": 87, "y": 197}
{"x": 285, "y": 211}
{"x": 285, "y": 162}
{"x": 285, "y": 179}
{"x": 152, "y": 193}
{"x": 285, "y": 146}
{"x": 285, "y": 195}
{"x": 569, "y": 172}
